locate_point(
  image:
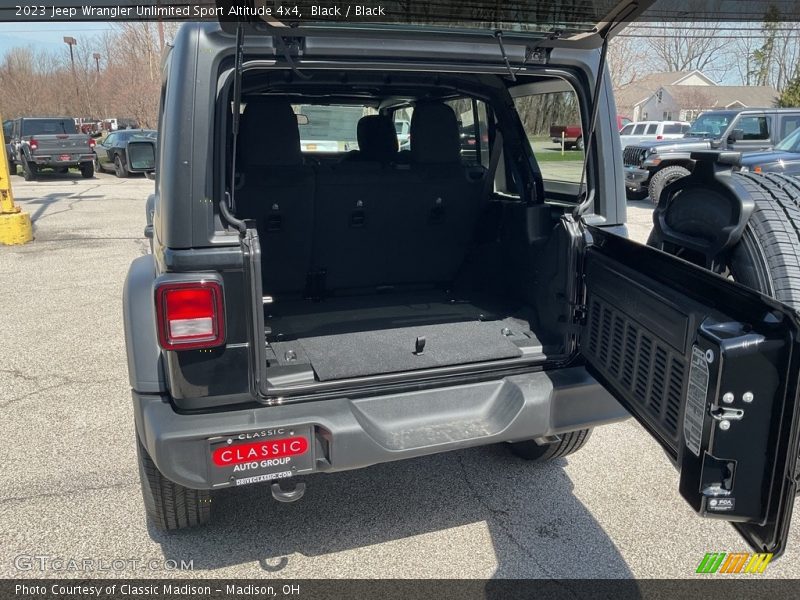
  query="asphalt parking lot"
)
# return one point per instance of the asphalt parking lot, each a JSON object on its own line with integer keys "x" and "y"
{"x": 70, "y": 487}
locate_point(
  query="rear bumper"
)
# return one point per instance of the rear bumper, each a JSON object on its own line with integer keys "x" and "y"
{"x": 47, "y": 160}
{"x": 351, "y": 434}
{"x": 636, "y": 179}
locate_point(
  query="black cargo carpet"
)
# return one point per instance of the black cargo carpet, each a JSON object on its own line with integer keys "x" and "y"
{"x": 361, "y": 353}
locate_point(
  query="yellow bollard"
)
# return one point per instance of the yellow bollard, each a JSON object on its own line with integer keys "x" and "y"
{"x": 15, "y": 225}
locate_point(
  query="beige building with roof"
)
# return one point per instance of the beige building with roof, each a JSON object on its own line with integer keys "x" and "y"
{"x": 682, "y": 95}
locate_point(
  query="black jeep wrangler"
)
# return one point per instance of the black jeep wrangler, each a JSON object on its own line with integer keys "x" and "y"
{"x": 315, "y": 307}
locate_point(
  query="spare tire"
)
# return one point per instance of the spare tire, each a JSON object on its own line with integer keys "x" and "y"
{"x": 767, "y": 258}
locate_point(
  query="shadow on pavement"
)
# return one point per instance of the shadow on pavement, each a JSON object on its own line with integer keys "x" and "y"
{"x": 539, "y": 529}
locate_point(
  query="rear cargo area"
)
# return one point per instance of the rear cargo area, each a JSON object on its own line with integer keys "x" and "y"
{"x": 393, "y": 332}
{"x": 379, "y": 261}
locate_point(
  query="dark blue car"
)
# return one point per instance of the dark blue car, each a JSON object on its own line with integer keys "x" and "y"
{"x": 783, "y": 158}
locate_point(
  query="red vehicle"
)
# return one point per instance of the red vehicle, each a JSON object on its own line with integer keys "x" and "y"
{"x": 573, "y": 134}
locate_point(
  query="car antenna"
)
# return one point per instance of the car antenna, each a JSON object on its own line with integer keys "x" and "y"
{"x": 228, "y": 203}
{"x": 499, "y": 35}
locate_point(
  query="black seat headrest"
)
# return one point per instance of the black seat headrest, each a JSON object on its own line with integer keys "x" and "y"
{"x": 377, "y": 139}
{"x": 434, "y": 134}
{"x": 268, "y": 134}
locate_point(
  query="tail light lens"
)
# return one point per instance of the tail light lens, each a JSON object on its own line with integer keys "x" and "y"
{"x": 92, "y": 142}
{"x": 34, "y": 145}
{"x": 190, "y": 315}
{"x": 659, "y": 137}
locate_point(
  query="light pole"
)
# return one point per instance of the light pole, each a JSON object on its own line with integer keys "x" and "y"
{"x": 71, "y": 41}
{"x": 96, "y": 57}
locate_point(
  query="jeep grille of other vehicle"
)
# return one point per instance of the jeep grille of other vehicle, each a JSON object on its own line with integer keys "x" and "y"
{"x": 634, "y": 155}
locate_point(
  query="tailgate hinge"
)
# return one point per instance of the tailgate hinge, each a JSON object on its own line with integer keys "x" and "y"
{"x": 579, "y": 314}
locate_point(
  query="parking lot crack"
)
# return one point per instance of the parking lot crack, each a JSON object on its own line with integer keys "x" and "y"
{"x": 70, "y": 492}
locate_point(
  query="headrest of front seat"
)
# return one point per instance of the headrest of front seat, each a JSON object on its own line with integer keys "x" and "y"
{"x": 268, "y": 134}
{"x": 434, "y": 134}
{"x": 377, "y": 139}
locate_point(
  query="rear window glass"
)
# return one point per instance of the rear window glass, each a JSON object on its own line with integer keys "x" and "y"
{"x": 544, "y": 115}
{"x": 48, "y": 126}
{"x": 675, "y": 128}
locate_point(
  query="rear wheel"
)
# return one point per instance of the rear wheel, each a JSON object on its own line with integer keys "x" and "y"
{"x": 87, "y": 170}
{"x": 569, "y": 443}
{"x": 579, "y": 144}
{"x": 29, "y": 171}
{"x": 170, "y": 506}
{"x": 660, "y": 179}
{"x": 120, "y": 169}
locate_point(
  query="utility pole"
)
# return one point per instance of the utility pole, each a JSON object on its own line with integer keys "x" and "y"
{"x": 71, "y": 41}
{"x": 96, "y": 57}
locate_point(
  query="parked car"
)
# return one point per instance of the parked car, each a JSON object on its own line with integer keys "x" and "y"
{"x": 573, "y": 134}
{"x": 51, "y": 143}
{"x": 112, "y": 153}
{"x": 783, "y": 158}
{"x": 652, "y": 131}
{"x": 650, "y": 167}
{"x": 297, "y": 318}
{"x": 8, "y": 148}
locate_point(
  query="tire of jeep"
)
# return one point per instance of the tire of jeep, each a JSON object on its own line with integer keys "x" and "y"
{"x": 767, "y": 258}
{"x": 120, "y": 170}
{"x": 87, "y": 170}
{"x": 569, "y": 443}
{"x": 579, "y": 144}
{"x": 29, "y": 171}
{"x": 660, "y": 179}
{"x": 170, "y": 506}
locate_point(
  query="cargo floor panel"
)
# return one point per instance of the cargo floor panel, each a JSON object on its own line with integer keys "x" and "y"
{"x": 367, "y": 335}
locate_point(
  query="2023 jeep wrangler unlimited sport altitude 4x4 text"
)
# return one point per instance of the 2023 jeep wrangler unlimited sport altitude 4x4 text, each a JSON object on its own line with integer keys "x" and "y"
{"x": 311, "y": 313}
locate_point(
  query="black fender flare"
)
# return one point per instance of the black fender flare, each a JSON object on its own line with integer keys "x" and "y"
{"x": 145, "y": 363}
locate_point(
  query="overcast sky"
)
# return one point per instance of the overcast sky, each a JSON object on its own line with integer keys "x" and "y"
{"x": 46, "y": 35}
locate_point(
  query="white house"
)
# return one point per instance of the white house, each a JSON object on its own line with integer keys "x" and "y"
{"x": 682, "y": 95}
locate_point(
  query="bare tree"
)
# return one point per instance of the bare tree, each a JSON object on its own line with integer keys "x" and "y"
{"x": 689, "y": 47}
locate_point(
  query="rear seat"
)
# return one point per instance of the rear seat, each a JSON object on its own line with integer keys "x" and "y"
{"x": 442, "y": 209}
{"x": 277, "y": 190}
{"x": 378, "y": 224}
{"x": 355, "y": 211}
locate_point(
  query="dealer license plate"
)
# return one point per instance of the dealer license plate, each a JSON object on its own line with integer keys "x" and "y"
{"x": 259, "y": 456}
